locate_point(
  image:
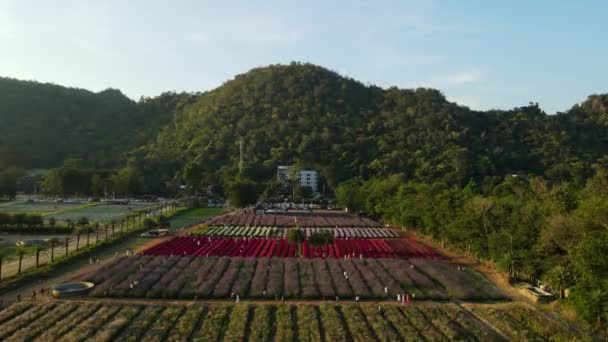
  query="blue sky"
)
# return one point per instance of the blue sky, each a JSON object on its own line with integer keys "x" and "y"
{"x": 484, "y": 54}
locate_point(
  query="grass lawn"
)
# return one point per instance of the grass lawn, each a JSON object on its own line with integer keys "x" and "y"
{"x": 201, "y": 212}
{"x": 100, "y": 212}
{"x": 193, "y": 216}
{"x": 38, "y": 208}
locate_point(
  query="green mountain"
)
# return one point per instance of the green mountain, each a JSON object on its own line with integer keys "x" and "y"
{"x": 304, "y": 114}
{"x": 297, "y": 114}
{"x": 42, "y": 124}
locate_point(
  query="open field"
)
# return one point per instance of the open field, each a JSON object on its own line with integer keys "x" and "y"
{"x": 38, "y": 208}
{"x": 295, "y": 219}
{"x": 96, "y": 212}
{"x": 81, "y": 321}
{"x": 292, "y": 278}
{"x": 101, "y": 212}
{"x": 193, "y": 216}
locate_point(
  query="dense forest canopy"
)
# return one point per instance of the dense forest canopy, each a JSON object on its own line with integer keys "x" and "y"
{"x": 298, "y": 114}
{"x": 308, "y": 115}
{"x": 42, "y": 124}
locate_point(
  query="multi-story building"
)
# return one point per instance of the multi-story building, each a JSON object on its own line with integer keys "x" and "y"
{"x": 309, "y": 178}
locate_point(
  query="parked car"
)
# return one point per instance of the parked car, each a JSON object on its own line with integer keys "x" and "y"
{"x": 155, "y": 233}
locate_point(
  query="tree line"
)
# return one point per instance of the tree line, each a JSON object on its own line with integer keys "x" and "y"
{"x": 530, "y": 227}
{"x": 43, "y": 124}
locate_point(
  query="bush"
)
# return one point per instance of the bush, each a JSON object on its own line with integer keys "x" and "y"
{"x": 295, "y": 235}
{"x": 323, "y": 237}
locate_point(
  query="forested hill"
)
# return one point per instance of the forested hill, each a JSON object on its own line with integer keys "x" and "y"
{"x": 308, "y": 115}
{"x": 298, "y": 114}
{"x": 42, "y": 124}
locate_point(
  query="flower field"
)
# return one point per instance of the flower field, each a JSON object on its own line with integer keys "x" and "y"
{"x": 339, "y": 233}
{"x": 280, "y": 247}
{"x": 293, "y": 219}
{"x": 86, "y": 321}
{"x": 179, "y": 277}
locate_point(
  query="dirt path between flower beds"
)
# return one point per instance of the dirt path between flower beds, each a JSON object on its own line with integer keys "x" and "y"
{"x": 148, "y": 301}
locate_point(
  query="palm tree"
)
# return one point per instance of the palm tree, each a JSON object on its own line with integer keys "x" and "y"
{"x": 83, "y": 221}
{"x": 149, "y": 224}
{"x": 5, "y": 219}
{"x": 113, "y": 226}
{"x": 19, "y": 219}
{"x": 88, "y": 231}
{"x": 35, "y": 221}
{"x": 21, "y": 250}
{"x": 54, "y": 242}
{"x": 67, "y": 244}
{"x": 38, "y": 248}
{"x": 69, "y": 222}
{"x": 105, "y": 227}
{"x": 134, "y": 219}
{"x": 96, "y": 233}
{"x": 52, "y": 222}
{"x": 3, "y": 253}
{"x": 78, "y": 232}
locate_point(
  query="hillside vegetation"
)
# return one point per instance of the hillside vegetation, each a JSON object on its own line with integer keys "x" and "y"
{"x": 308, "y": 115}
{"x": 42, "y": 124}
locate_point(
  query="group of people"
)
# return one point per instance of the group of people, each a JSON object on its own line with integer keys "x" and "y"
{"x": 236, "y": 298}
{"x": 403, "y": 298}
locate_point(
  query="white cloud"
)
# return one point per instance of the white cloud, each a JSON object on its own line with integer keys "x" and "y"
{"x": 460, "y": 78}
{"x": 395, "y": 58}
{"x": 463, "y": 77}
{"x": 469, "y": 101}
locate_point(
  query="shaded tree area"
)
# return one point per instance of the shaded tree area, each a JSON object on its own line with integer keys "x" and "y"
{"x": 529, "y": 226}
{"x": 243, "y": 193}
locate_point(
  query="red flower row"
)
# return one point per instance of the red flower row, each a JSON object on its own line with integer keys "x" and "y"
{"x": 266, "y": 247}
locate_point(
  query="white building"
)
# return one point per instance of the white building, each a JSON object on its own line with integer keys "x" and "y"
{"x": 309, "y": 178}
